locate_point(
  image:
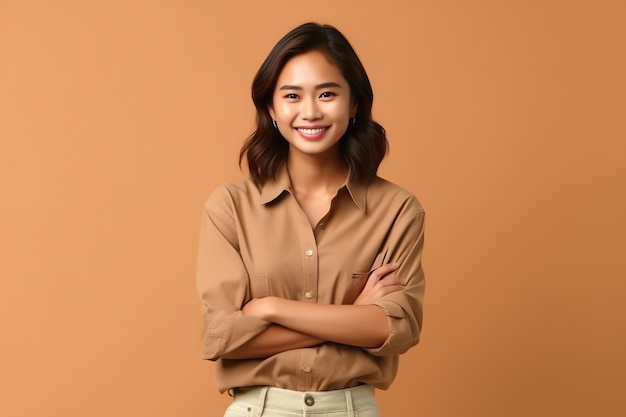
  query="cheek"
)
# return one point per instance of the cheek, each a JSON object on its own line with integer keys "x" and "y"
{"x": 342, "y": 111}
{"x": 283, "y": 111}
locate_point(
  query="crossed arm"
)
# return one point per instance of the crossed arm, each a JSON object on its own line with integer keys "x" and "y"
{"x": 298, "y": 324}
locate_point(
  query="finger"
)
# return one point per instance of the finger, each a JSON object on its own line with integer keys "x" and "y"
{"x": 385, "y": 285}
{"x": 384, "y": 270}
{"x": 390, "y": 280}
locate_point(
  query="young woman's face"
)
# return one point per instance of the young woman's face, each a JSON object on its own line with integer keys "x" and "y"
{"x": 311, "y": 104}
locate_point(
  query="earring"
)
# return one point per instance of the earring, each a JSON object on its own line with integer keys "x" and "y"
{"x": 353, "y": 120}
{"x": 275, "y": 124}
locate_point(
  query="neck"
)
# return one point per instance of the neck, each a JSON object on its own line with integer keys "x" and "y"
{"x": 312, "y": 173}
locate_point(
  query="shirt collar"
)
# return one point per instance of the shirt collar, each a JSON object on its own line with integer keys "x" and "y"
{"x": 274, "y": 188}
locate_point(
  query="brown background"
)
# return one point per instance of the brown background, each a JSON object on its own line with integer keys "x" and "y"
{"x": 506, "y": 118}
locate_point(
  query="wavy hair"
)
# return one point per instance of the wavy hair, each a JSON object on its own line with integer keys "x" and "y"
{"x": 364, "y": 144}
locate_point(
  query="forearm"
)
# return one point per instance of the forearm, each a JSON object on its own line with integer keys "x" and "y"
{"x": 357, "y": 325}
{"x": 274, "y": 339}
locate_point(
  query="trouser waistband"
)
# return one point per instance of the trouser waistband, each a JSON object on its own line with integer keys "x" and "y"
{"x": 361, "y": 396}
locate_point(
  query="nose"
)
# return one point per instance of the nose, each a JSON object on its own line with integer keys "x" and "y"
{"x": 310, "y": 109}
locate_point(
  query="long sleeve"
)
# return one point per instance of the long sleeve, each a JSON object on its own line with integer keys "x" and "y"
{"x": 222, "y": 280}
{"x": 404, "y": 308}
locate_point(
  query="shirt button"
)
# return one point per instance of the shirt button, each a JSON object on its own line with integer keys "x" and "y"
{"x": 308, "y": 294}
{"x": 309, "y": 253}
{"x": 309, "y": 400}
{"x": 306, "y": 368}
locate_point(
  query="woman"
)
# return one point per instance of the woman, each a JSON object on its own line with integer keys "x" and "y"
{"x": 310, "y": 270}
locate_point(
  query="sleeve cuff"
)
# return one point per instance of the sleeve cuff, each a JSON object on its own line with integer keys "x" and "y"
{"x": 218, "y": 340}
{"x": 400, "y": 339}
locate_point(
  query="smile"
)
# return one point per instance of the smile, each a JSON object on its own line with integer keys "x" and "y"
{"x": 312, "y": 131}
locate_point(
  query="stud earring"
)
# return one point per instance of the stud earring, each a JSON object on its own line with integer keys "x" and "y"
{"x": 275, "y": 124}
{"x": 353, "y": 120}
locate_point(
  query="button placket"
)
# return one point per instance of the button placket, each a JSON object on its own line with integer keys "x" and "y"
{"x": 308, "y": 290}
{"x": 311, "y": 271}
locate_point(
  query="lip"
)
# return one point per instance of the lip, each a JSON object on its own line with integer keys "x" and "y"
{"x": 312, "y": 132}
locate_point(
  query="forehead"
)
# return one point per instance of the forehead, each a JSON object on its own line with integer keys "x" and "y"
{"x": 310, "y": 69}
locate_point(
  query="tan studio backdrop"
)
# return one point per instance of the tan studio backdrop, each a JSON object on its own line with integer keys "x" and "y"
{"x": 506, "y": 118}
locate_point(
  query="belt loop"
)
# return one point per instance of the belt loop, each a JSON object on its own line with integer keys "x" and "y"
{"x": 261, "y": 402}
{"x": 348, "y": 393}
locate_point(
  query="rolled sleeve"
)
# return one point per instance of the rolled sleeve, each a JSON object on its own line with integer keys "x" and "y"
{"x": 404, "y": 309}
{"x": 223, "y": 282}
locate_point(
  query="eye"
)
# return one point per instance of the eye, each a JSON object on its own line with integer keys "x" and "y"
{"x": 291, "y": 96}
{"x": 327, "y": 94}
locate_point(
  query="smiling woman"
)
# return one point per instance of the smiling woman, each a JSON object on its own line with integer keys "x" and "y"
{"x": 310, "y": 271}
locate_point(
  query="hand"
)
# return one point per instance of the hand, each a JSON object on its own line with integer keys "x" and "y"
{"x": 376, "y": 287}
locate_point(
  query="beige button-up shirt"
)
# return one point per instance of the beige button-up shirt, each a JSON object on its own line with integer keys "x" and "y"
{"x": 258, "y": 242}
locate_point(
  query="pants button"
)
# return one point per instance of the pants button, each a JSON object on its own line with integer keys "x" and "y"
{"x": 309, "y": 400}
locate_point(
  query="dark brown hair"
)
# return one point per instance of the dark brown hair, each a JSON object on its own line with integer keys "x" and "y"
{"x": 364, "y": 144}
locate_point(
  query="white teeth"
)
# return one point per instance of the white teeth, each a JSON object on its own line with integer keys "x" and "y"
{"x": 312, "y": 131}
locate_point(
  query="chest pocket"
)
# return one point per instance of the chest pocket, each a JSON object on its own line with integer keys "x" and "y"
{"x": 259, "y": 286}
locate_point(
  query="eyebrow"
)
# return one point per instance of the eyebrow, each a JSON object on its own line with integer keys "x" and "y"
{"x": 317, "y": 87}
